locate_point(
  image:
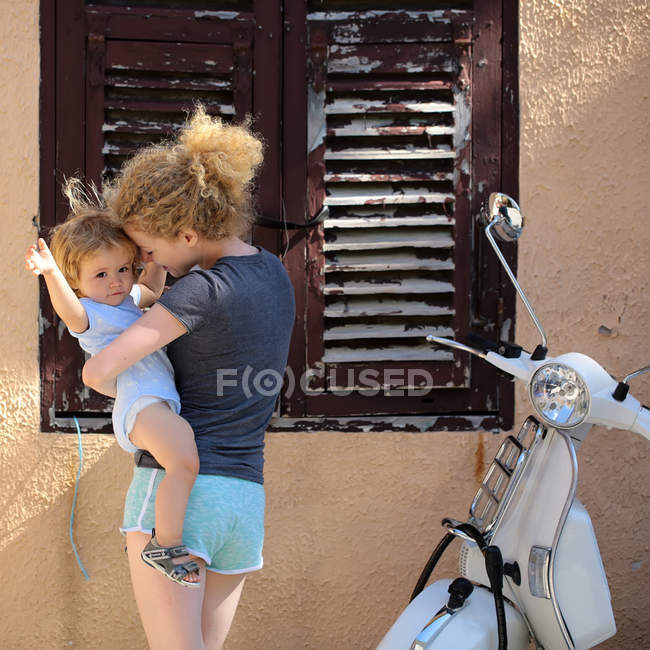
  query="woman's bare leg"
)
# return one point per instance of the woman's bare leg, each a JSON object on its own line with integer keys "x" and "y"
{"x": 222, "y": 594}
{"x": 170, "y": 613}
{"x": 176, "y": 618}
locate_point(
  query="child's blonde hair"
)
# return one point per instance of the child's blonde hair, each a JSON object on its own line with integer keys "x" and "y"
{"x": 200, "y": 180}
{"x": 91, "y": 226}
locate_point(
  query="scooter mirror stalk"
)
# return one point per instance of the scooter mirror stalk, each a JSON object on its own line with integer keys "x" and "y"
{"x": 503, "y": 216}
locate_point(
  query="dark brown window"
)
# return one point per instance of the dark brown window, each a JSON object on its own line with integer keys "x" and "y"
{"x": 397, "y": 119}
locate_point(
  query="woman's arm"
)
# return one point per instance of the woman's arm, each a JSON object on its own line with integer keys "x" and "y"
{"x": 39, "y": 261}
{"x": 152, "y": 331}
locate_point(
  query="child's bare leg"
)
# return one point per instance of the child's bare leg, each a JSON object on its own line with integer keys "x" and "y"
{"x": 170, "y": 439}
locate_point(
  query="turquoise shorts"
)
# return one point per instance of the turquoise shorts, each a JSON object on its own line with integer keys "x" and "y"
{"x": 224, "y": 520}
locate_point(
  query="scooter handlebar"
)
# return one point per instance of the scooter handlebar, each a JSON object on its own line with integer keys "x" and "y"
{"x": 521, "y": 367}
{"x": 441, "y": 340}
{"x": 605, "y": 410}
{"x": 642, "y": 423}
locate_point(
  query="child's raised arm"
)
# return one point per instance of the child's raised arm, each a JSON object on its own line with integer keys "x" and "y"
{"x": 39, "y": 261}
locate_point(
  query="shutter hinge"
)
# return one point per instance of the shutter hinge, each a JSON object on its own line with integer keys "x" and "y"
{"x": 318, "y": 59}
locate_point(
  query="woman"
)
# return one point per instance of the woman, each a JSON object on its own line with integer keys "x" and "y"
{"x": 226, "y": 323}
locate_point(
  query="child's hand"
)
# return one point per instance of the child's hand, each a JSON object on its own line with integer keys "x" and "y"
{"x": 39, "y": 260}
{"x": 152, "y": 283}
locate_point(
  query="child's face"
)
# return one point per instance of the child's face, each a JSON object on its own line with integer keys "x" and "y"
{"x": 106, "y": 275}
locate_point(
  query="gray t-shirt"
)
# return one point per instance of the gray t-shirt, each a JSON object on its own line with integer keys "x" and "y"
{"x": 229, "y": 366}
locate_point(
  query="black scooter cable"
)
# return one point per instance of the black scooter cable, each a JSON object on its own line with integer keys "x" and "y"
{"x": 493, "y": 567}
{"x": 494, "y": 570}
{"x": 502, "y": 630}
{"x": 430, "y": 565}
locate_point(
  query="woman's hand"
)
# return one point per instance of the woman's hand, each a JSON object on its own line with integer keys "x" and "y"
{"x": 39, "y": 260}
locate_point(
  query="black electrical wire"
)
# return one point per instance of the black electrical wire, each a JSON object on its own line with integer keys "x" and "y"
{"x": 283, "y": 224}
{"x": 493, "y": 567}
{"x": 502, "y": 630}
{"x": 494, "y": 570}
{"x": 431, "y": 563}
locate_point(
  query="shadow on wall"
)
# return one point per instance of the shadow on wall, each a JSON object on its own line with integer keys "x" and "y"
{"x": 48, "y": 604}
{"x": 351, "y": 521}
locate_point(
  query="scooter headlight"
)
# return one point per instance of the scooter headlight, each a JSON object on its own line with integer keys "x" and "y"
{"x": 559, "y": 395}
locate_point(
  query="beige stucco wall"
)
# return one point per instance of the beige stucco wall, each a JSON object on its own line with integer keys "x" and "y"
{"x": 352, "y": 517}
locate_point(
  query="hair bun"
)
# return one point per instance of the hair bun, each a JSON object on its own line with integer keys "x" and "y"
{"x": 228, "y": 152}
{"x": 200, "y": 179}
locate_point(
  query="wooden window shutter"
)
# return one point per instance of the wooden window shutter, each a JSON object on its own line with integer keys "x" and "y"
{"x": 394, "y": 152}
{"x": 125, "y": 77}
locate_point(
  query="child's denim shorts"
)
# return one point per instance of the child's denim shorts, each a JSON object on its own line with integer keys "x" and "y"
{"x": 224, "y": 520}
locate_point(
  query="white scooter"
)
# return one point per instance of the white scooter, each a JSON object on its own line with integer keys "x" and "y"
{"x": 529, "y": 562}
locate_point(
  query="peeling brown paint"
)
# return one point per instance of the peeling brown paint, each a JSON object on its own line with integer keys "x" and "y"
{"x": 359, "y": 177}
{"x": 479, "y": 458}
{"x": 369, "y": 422}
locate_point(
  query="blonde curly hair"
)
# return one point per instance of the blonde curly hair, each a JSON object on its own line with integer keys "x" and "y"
{"x": 90, "y": 227}
{"x": 199, "y": 180}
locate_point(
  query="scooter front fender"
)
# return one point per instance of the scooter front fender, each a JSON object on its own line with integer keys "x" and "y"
{"x": 474, "y": 627}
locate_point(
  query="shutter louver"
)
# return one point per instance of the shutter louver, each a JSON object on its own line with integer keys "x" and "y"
{"x": 150, "y": 87}
{"x": 146, "y": 73}
{"x": 394, "y": 119}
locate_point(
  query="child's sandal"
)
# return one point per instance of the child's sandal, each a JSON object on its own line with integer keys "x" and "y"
{"x": 161, "y": 558}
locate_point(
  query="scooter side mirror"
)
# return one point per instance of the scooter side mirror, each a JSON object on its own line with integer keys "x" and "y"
{"x": 503, "y": 213}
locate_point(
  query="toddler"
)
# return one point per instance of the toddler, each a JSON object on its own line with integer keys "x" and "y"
{"x": 90, "y": 277}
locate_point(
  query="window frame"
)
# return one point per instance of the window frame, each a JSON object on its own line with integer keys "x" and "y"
{"x": 278, "y": 194}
